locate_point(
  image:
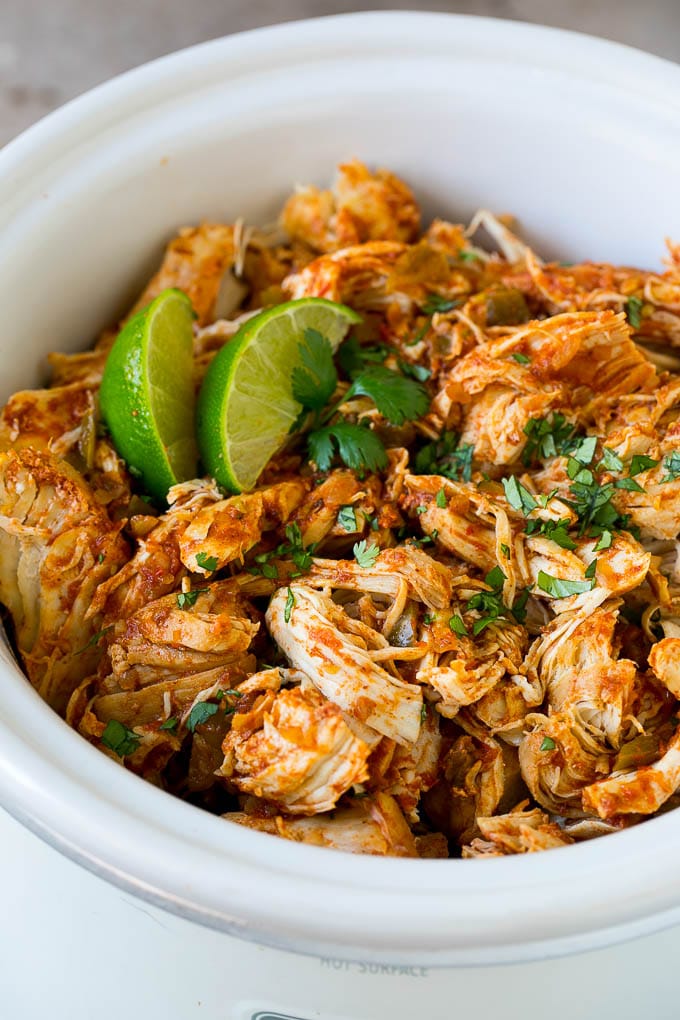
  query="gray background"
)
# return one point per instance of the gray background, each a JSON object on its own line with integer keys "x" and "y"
{"x": 51, "y": 50}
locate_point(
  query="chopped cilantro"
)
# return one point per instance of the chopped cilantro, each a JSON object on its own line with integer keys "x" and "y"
{"x": 290, "y": 603}
{"x": 604, "y": 541}
{"x": 519, "y": 607}
{"x": 365, "y": 554}
{"x": 505, "y": 549}
{"x": 671, "y": 466}
{"x": 590, "y": 569}
{"x": 468, "y": 256}
{"x": 301, "y": 555}
{"x": 119, "y": 738}
{"x": 95, "y": 639}
{"x": 200, "y": 713}
{"x": 583, "y": 450}
{"x": 436, "y": 303}
{"x": 547, "y": 437}
{"x": 433, "y": 304}
{"x": 347, "y": 518}
{"x": 429, "y": 618}
{"x": 489, "y": 604}
{"x": 445, "y": 456}
{"x": 633, "y": 309}
{"x": 556, "y": 531}
{"x": 495, "y": 578}
{"x": 207, "y": 563}
{"x": 520, "y": 358}
{"x": 440, "y": 499}
{"x": 610, "y": 461}
{"x": 628, "y": 483}
{"x": 548, "y": 744}
{"x": 640, "y": 463}
{"x": 170, "y": 724}
{"x": 457, "y": 625}
{"x": 185, "y": 599}
{"x": 560, "y": 588}
{"x": 518, "y": 496}
{"x": 418, "y": 372}
{"x": 100, "y": 558}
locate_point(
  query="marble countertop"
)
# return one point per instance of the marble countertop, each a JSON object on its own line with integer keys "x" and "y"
{"x": 52, "y": 50}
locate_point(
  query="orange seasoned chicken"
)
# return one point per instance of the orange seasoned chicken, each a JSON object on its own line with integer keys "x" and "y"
{"x": 445, "y": 622}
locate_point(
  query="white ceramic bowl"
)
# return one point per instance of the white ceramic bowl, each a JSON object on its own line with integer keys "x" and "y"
{"x": 580, "y": 139}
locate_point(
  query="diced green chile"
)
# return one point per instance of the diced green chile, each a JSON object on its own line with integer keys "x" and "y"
{"x": 506, "y": 307}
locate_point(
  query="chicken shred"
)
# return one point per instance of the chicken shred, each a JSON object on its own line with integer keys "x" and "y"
{"x": 474, "y": 652}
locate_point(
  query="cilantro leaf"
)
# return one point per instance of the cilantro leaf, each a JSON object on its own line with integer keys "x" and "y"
{"x": 365, "y": 554}
{"x": 592, "y": 504}
{"x": 548, "y": 744}
{"x": 436, "y": 303}
{"x": 432, "y": 305}
{"x": 604, "y": 541}
{"x": 207, "y": 563}
{"x": 347, "y": 518}
{"x": 95, "y": 639}
{"x": 520, "y": 358}
{"x": 418, "y": 372}
{"x": 353, "y": 357}
{"x": 468, "y": 256}
{"x": 628, "y": 483}
{"x": 671, "y": 466}
{"x": 590, "y": 569}
{"x": 584, "y": 450}
{"x": 561, "y": 588}
{"x": 170, "y": 725}
{"x": 633, "y": 309}
{"x": 518, "y": 496}
{"x": 578, "y": 473}
{"x": 610, "y": 461}
{"x": 300, "y": 554}
{"x": 440, "y": 499}
{"x": 495, "y": 578}
{"x": 119, "y": 738}
{"x": 547, "y": 437}
{"x": 200, "y": 713}
{"x": 357, "y": 446}
{"x": 489, "y": 604}
{"x": 314, "y": 381}
{"x": 185, "y": 599}
{"x": 519, "y": 606}
{"x": 556, "y": 531}
{"x": 445, "y": 456}
{"x": 396, "y": 398}
{"x": 457, "y": 625}
{"x": 640, "y": 463}
{"x": 290, "y": 603}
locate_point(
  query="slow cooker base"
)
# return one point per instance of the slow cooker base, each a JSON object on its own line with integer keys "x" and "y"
{"x": 87, "y": 948}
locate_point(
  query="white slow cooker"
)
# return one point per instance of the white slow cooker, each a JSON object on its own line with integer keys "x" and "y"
{"x": 581, "y": 140}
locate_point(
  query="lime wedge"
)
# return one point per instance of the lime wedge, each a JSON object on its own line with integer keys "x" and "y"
{"x": 246, "y": 407}
{"x": 147, "y": 393}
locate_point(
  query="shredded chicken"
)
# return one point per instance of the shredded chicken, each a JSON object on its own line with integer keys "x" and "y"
{"x": 473, "y": 651}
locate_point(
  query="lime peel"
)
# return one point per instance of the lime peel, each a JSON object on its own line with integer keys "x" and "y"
{"x": 147, "y": 393}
